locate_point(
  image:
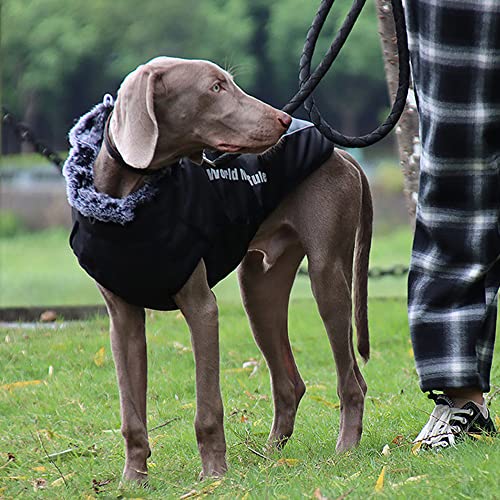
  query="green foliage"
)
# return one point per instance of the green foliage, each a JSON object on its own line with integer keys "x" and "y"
{"x": 389, "y": 176}
{"x": 360, "y": 57}
{"x": 64, "y": 37}
{"x": 355, "y": 86}
{"x": 60, "y": 57}
{"x": 10, "y": 224}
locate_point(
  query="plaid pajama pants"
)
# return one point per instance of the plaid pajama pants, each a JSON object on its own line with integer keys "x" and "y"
{"x": 455, "y": 265}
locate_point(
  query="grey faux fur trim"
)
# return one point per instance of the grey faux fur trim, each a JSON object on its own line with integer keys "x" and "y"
{"x": 85, "y": 139}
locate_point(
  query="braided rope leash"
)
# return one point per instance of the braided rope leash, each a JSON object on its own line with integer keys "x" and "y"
{"x": 309, "y": 81}
{"x": 306, "y": 79}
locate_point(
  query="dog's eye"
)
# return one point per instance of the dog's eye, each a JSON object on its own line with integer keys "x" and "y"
{"x": 216, "y": 88}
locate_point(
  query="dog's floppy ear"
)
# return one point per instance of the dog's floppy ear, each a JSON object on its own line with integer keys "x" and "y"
{"x": 133, "y": 126}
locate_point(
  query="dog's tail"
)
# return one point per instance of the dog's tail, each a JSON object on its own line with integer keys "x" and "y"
{"x": 361, "y": 262}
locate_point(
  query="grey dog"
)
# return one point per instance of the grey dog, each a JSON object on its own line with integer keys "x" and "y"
{"x": 172, "y": 108}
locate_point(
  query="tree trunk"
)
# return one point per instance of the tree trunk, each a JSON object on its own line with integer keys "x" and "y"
{"x": 407, "y": 129}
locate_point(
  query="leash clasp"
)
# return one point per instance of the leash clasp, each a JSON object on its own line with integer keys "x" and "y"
{"x": 206, "y": 159}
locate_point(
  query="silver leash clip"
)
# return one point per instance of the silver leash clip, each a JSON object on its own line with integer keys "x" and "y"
{"x": 206, "y": 159}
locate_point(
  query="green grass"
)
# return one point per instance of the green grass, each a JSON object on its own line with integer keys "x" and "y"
{"x": 74, "y": 404}
{"x": 40, "y": 269}
{"x": 77, "y": 407}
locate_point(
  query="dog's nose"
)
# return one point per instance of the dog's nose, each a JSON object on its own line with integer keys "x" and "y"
{"x": 285, "y": 120}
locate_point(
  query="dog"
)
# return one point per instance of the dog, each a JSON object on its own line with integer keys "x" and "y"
{"x": 167, "y": 113}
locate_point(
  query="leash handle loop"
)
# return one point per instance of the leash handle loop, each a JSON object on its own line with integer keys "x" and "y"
{"x": 309, "y": 82}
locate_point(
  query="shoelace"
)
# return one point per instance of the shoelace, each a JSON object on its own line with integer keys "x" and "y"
{"x": 443, "y": 425}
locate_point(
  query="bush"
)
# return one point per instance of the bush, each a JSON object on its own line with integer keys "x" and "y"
{"x": 389, "y": 176}
{"x": 10, "y": 224}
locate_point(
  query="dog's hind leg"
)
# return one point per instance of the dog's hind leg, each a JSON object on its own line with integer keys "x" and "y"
{"x": 128, "y": 343}
{"x": 265, "y": 291}
{"x": 199, "y": 307}
{"x": 331, "y": 279}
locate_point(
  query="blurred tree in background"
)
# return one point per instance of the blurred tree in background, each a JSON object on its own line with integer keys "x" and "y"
{"x": 60, "y": 57}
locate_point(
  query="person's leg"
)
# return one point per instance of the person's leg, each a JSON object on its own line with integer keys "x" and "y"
{"x": 484, "y": 344}
{"x": 454, "y": 48}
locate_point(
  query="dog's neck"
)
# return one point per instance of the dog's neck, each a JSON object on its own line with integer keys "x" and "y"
{"x": 111, "y": 175}
{"x": 112, "y": 179}
{"x": 118, "y": 181}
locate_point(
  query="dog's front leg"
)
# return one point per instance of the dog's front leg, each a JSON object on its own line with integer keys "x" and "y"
{"x": 128, "y": 343}
{"x": 199, "y": 307}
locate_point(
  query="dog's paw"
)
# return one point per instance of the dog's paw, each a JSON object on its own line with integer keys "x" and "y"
{"x": 133, "y": 476}
{"x": 275, "y": 443}
{"x": 214, "y": 469}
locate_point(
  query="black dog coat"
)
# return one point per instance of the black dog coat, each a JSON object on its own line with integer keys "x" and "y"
{"x": 144, "y": 247}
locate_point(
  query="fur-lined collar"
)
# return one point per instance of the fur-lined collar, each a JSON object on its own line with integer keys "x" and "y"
{"x": 86, "y": 139}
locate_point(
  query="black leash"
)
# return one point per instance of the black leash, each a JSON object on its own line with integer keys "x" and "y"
{"x": 306, "y": 79}
{"x": 308, "y": 82}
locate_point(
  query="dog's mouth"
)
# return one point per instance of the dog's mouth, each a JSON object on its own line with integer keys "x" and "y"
{"x": 233, "y": 148}
{"x": 228, "y": 148}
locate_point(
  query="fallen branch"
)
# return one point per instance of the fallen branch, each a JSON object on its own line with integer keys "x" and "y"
{"x": 51, "y": 461}
{"x": 164, "y": 424}
{"x": 73, "y": 451}
{"x": 255, "y": 452}
{"x": 10, "y": 458}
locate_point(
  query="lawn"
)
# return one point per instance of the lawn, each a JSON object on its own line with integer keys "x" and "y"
{"x": 58, "y": 398}
{"x": 74, "y": 406}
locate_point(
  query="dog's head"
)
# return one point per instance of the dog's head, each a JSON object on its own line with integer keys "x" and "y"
{"x": 169, "y": 108}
